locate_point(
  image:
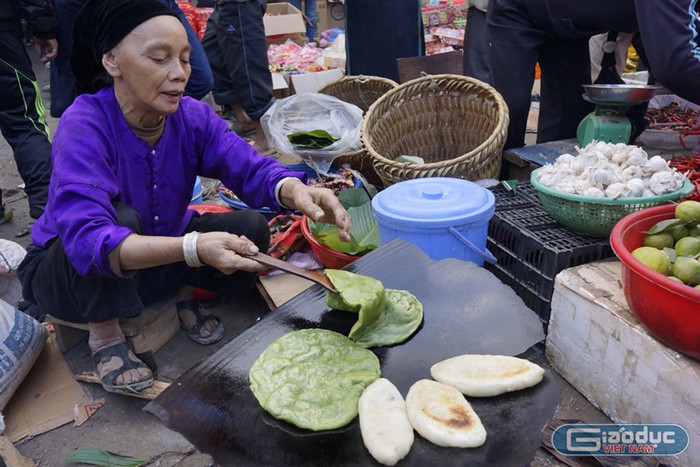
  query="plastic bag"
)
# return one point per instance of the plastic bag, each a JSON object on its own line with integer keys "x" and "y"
{"x": 308, "y": 112}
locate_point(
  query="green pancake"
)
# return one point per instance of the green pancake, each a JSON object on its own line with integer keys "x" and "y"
{"x": 385, "y": 316}
{"x": 313, "y": 378}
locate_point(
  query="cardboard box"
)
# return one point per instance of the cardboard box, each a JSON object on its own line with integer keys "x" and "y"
{"x": 283, "y": 19}
{"x": 46, "y": 397}
{"x": 330, "y": 14}
{"x": 311, "y": 82}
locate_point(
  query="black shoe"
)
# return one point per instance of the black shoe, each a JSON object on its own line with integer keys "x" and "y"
{"x": 35, "y": 211}
{"x": 5, "y": 215}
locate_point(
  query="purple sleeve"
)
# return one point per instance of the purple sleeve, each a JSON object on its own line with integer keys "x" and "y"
{"x": 83, "y": 186}
{"x": 669, "y": 32}
{"x": 231, "y": 159}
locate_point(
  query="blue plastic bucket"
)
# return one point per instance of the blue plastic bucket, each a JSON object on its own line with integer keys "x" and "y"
{"x": 445, "y": 217}
{"x": 197, "y": 192}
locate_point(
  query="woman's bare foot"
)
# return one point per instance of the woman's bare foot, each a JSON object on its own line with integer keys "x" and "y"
{"x": 109, "y": 356}
{"x": 200, "y": 325}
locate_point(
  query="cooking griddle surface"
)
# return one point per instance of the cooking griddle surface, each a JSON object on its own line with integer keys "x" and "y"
{"x": 466, "y": 310}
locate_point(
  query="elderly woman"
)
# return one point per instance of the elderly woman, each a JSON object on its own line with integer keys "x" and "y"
{"x": 116, "y": 234}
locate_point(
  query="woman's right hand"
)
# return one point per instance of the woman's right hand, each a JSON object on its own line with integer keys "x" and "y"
{"x": 227, "y": 252}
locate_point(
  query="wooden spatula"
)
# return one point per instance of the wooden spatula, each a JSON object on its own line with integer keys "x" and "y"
{"x": 315, "y": 276}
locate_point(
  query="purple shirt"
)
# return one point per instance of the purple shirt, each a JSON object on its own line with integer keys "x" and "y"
{"x": 98, "y": 160}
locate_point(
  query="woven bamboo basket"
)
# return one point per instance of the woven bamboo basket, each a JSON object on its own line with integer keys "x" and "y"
{"x": 361, "y": 91}
{"x": 457, "y": 124}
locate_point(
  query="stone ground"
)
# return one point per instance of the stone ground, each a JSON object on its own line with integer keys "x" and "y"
{"x": 121, "y": 426}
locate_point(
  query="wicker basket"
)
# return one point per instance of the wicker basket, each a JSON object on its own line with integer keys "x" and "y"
{"x": 457, "y": 124}
{"x": 597, "y": 216}
{"x": 361, "y": 91}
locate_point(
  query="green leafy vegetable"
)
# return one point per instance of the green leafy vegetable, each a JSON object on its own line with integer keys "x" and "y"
{"x": 103, "y": 458}
{"x": 315, "y": 139}
{"x": 365, "y": 231}
{"x": 385, "y": 316}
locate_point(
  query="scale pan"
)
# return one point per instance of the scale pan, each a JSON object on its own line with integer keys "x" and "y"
{"x": 622, "y": 93}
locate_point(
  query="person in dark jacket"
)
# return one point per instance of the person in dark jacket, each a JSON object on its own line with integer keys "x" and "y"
{"x": 236, "y": 47}
{"x": 22, "y": 114}
{"x": 555, "y": 33}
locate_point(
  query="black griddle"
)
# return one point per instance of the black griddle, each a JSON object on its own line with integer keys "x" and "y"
{"x": 466, "y": 310}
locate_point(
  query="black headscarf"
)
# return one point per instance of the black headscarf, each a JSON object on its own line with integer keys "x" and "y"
{"x": 99, "y": 27}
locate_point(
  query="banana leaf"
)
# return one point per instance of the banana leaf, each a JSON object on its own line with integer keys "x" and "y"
{"x": 103, "y": 458}
{"x": 365, "y": 231}
{"x": 315, "y": 139}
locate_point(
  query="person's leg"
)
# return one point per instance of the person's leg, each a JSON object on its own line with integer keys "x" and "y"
{"x": 22, "y": 120}
{"x": 155, "y": 283}
{"x": 241, "y": 37}
{"x": 565, "y": 68}
{"x": 62, "y": 80}
{"x": 51, "y": 283}
{"x": 514, "y": 49}
{"x": 201, "y": 80}
{"x": 476, "y": 46}
{"x": 310, "y": 13}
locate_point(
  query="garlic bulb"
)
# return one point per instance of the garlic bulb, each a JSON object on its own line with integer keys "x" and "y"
{"x": 610, "y": 170}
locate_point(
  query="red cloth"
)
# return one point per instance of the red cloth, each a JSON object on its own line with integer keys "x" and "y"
{"x": 285, "y": 236}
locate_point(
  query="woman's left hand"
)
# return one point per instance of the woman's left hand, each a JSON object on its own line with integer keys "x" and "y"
{"x": 319, "y": 204}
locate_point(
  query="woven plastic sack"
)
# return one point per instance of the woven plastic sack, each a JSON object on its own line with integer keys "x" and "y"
{"x": 21, "y": 340}
{"x": 308, "y": 112}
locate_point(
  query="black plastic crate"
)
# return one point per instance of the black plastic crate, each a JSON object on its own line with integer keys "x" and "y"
{"x": 532, "y": 248}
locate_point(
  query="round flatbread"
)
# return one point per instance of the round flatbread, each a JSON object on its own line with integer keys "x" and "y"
{"x": 385, "y": 316}
{"x": 313, "y": 378}
{"x": 487, "y": 375}
{"x": 384, "y": 425}
{"x": 442, "y": 415}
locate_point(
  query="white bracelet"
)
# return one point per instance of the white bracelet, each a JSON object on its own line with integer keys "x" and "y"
{"x": 189, "y": 250}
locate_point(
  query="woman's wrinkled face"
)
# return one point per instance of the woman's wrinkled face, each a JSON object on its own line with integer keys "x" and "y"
{"x": 150, "y": 67}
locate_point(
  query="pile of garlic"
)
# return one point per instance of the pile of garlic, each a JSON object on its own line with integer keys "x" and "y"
{"x": 611, "y": 170}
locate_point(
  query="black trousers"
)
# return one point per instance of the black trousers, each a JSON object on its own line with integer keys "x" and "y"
{"x": 53, "y": 286}
{"x": 517, "y": 43}
{"x": 235, "y": 45}
{"x": 22, "y": 117}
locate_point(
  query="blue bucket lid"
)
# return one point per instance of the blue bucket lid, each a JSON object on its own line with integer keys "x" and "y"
{"x": 433, "y": 202}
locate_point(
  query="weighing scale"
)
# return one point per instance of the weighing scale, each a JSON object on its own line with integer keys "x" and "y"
{"x": 608, "y": 122}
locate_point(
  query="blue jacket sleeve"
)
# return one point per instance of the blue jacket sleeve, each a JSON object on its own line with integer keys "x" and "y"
{"x": 669, "y": 31}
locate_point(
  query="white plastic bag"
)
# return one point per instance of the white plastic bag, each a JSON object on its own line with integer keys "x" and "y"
{"x": 308, "y": 112}
{"x": 11, "y": 255}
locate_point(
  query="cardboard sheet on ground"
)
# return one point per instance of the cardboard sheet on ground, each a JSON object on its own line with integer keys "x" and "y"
{"x": 467, "y": 310}
{"x": 46, "y": 397}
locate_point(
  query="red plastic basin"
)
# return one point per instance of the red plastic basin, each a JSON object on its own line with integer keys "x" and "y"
{"x": 668, "y": 309}
{"x": 327, "y": 256}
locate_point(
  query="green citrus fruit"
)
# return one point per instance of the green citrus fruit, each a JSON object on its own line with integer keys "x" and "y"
{"x": 674, "y": 278}
{"x": 688, "y": 246}
{"x": 653, "y": 258}
{"x": 678, "y": 232}
{"x": 694, "y": 231}
{"x": 689, "y": 211}
{"x": 659, "y": 241}
{"x": 687, "y": 270}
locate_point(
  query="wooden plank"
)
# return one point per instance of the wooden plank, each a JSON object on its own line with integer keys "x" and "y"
{"x": 11, "y": 456}
{"x": 156, "y": 333}
{"x": 149, "y": 331}
{"x": 148, "y": 393}
{"x": 411, "y": 67}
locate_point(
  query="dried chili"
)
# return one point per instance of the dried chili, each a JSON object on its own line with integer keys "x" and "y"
{"x": 690, "y": 166}
{"x": 673, "y": 117}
